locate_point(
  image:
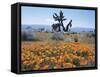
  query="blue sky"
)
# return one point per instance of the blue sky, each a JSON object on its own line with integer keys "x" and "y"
{"x": 40, "y": 15}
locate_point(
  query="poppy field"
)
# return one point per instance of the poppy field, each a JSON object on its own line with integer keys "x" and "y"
{"x": 44, "y": 55}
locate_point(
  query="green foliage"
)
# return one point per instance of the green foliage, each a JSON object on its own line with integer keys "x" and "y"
{"x": 91, "y": 64}
{"x": 70, "y": 52}
{"x": 84, "y": 54}
{"x": 76, "y": 62}
{"x": 51, "y": 66}
{"x": 68, "y": 61}
{"x": 26, "y": 67}
{"x": 78, "y": 53}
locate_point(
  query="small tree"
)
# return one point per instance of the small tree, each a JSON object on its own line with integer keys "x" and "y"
{"x": 60, "y": 18}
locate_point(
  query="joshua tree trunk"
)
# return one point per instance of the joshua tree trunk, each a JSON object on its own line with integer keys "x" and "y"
{"x": 59, "y": 29}
{"x": 63, "y": 26}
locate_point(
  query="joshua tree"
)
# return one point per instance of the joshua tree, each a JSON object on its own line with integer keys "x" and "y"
{"x": 60, "y": 18}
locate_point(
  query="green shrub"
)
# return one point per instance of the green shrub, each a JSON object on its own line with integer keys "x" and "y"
{"x": 70, "y": 52}
{"x": 68, "y": 61}
{"x": 91, "y": 64}
{"x": 76, "y": 62}
{"x": 78, "y": 53}
{"x": 84, "y": 54}
{"x": 26, "y": 67}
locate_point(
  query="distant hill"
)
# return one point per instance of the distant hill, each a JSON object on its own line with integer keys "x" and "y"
{"x": 82, "y": 29}
{"x": 36, "y": 27}
{"x": 48, "y": 28}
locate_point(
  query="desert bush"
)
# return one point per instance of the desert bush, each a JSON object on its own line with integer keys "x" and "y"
{"x": 46, "y": 31}
{"x": 84, "y": 54}
{"x": 70, "y": 52}
{"x": 76, "y": 62}
{"x": 57, "y": 36}
{"x": 91, "y": 64}
{"x": 26, "y": 67}
{"x": 92, "y": 35}
{"x": 74, "y": 33}
{"x": 76, "y": 39}
{"x": 28, "y": 36}
{"x": 68, "y": 61}
{"x": 78, "y": 53}
{"x": 69, "y": 40}
{"x": 67, "y": 33}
